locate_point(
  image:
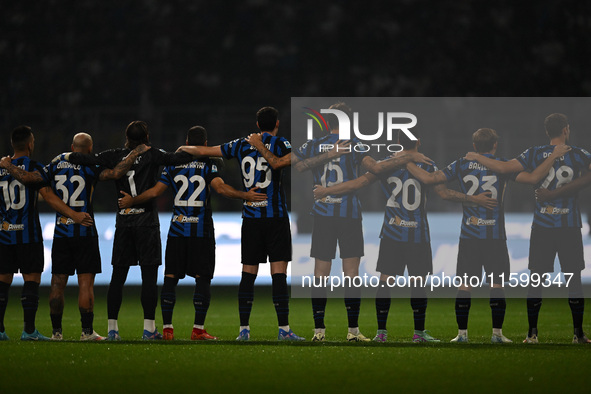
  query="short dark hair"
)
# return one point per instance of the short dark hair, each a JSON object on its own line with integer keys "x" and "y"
{"x": 405, "y": 141}
{"x": 267, "y": 118}
{"x": 136, "y": 133}
{"x": 20, "y": 137}
{"x": 196, "y": 135}
{"x": 341, "y": 106}
{"x": 484, "y": 140}
{"x": 554, "y": 124}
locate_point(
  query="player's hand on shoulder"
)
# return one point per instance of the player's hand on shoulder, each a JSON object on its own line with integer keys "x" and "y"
{"x": 320, "y": 192}
{"x": 472, "y": 156}
{"x": 543, "y": 194}
{"x": 6, "y": 160}
{"x": 255, "y": 139}
{"x": 61, "y": 157}
{"x": 560, "y": 150}
{"x": 253, "y": 196}
{"x": 342, "y": 147}
{"x": 418, "y": 157}
{"x": 126, "y": 201}
{"x": 484, "y": 199}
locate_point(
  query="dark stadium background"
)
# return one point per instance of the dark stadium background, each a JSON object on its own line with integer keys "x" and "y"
{"x": 70, "y": 66}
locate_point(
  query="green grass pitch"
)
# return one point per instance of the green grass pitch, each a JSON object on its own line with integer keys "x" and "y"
{"x": 263, "y": 365}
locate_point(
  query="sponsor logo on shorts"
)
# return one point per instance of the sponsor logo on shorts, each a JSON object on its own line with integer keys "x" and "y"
{"x": 331, "y": 200}
{"x": 256, "y": 204}
{"x": 64, "y": 220}
{"x": 185, "y": 219}
{"x": 550, "y": 210}
{"x": 12, "y": 227}
{"x": 132, "y": 211}
{"x": 397, "y": 221}
{"x": 474, "y": 221}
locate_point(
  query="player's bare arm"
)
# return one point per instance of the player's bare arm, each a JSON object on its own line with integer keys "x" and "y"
{"x": 24, "y": 177}
{"x": 58, "y": 205}
{"x": 128, "y": 201}
{"x": 501, "y": 167}
{"x": 124, "y": 165}
{"x": 482, "y": 199}
{"x": 345, "y": 187}
{"x": 397, "y": 160}
{"x": 342, "y": 147}
{"x": 428, "y": 178}
{"x": 567, "y": 190}
{"x": 201, "y": 151}
{"x": 256, "y": 140}
{"x": 228, "y": 191}
{"x": 542, "y": 170}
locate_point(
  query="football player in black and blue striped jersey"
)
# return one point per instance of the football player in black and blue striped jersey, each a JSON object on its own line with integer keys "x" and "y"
{"x": 483, "y": 243}
{"x": 21, "y": 241}
{"x": 556, "y": 227}
{"x": 190, "y": 248}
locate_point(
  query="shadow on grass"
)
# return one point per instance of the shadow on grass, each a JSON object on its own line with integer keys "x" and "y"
{"x": 336, "y": 344}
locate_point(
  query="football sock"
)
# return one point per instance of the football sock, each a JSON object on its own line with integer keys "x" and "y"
{"x": 86, "y": 318}
{"x": 112, "y": 325}
{"x": 284, "y": 328}
{"x": 30, "y": 303}
{"x": 115, "y": 292}
{"x": 354, "y": 330}
{"x": 3, "y": 303}
{"x": 168, "y": 299}
{"x": 281, "y": 298}
{"x": 201, "y": 299}
{"x": 383, "y": 302}
{"x": 149, "y": 295}
{"x": 498, "y": 305}
{"x": 463, "y": 303}
{"x": 56, "y": 321}
{"x": 534, "y": 303}
{"x": 150, "y": 325}
{"x": 577, "y": 307}
{"x": 418, "y": 303}
{"x": 245, "y": 297}
{"x": 318, "y": 306}
{"x": 576, "y": 302}
{"x": 353, "y": 304}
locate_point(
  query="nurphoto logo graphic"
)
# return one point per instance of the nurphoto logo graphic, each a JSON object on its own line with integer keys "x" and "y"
{"x": 343, "y": 125}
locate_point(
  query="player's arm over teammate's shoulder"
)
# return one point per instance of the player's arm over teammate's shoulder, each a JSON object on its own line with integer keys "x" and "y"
{"x": 201, "y": 151}
{"x": 541, "y": 171}
{"x": 124, "y": 165}
{"x": 428, "y": 178}
{"x": 58, "y": 205}
{"x": 23, "y": 176}
{"x": 345, "y": 187}
{"x": 397, "y": 160}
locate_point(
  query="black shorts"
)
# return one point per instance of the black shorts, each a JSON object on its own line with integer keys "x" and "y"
{"x": 191, "y": 256}
{"x": 137, "y": 244}
{"x": 78, "y": 254}
{"x": 394, "y": 256}
{"x": 545, "y": 243}
{"x": 330, "y": 230}
{"x": 265, "y": 237}
{"x": 23, "y": 258}
{"x": 492, "y": 254}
